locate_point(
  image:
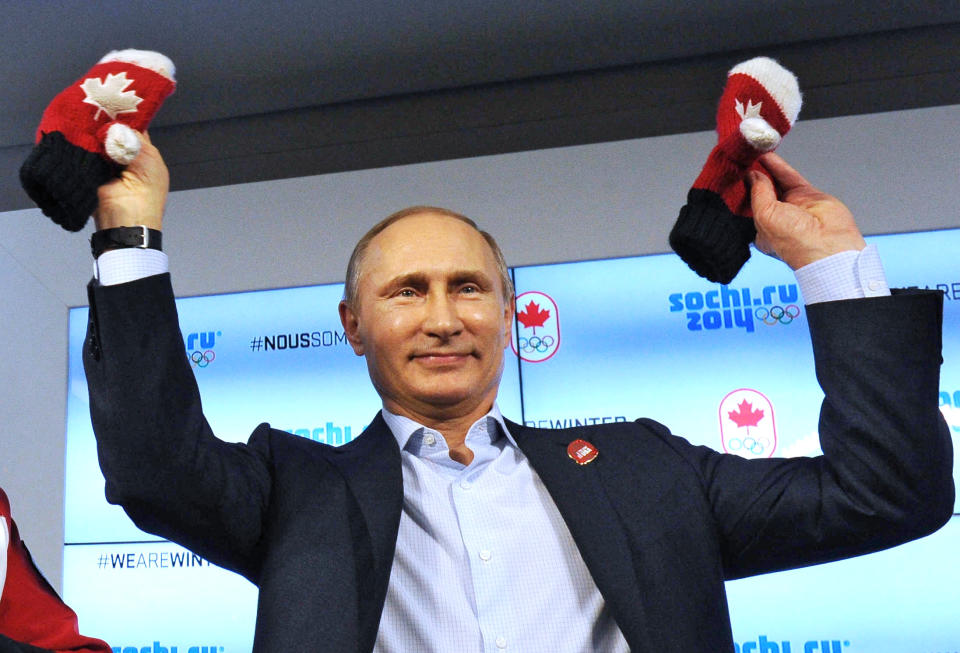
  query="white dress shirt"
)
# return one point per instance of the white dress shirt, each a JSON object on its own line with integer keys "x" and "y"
{"x": 484, "y": 562}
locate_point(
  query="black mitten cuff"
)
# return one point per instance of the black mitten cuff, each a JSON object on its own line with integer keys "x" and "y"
{"x": 713, "y": 241}
{"x": 63, "y": 179}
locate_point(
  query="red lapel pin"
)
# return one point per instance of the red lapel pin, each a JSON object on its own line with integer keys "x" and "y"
{"x": 582, "y": 452}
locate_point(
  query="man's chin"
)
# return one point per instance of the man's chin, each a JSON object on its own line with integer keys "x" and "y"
{"x": 451, "y": 404}
{"x": 444, "y": 401}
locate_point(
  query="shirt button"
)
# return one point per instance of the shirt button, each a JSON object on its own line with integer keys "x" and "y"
{"x": 465, "y": 484}
{"x": 874, "y": 285}
{"x": 485, "y": 555}
{"x": 501, "y": 642}
{"x": 429, "y": 439}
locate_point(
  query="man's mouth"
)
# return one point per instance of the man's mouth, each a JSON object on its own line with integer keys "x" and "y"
{"x": 441, "y": 357}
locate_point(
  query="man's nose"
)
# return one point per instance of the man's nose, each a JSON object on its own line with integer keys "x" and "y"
{"x": 442, "y": 318}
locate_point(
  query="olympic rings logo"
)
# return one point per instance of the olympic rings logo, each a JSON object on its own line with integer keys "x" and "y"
{"x": 536, "y": 344}
{"x": 756, "y": 446}
{"x": 202, "y": 358}
{"x": 774, "y": 314}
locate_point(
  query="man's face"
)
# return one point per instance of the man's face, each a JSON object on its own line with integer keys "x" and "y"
{"x": 430, "y": 318}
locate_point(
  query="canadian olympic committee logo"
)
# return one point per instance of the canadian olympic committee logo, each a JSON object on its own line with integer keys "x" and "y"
{"x": 536, "y": 335}
{"x": 747, "y": 426}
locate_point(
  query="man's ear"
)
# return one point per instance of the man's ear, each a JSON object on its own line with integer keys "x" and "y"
{"x": 508, "y": 312}
{"x": 351, "y": 327}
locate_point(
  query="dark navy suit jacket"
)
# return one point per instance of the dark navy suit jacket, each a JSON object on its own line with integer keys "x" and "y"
{"x": 661, "y": 524}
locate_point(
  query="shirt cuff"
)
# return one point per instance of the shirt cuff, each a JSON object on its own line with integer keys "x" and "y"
{"x": 846, "y": 275}
{"x": 129, "y": 264}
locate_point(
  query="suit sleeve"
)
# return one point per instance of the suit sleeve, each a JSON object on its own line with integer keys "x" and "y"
{"x": 161, "y": 461}
{"x": 886, "y": 474}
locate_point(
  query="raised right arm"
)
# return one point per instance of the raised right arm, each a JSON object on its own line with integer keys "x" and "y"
{"x": 161, "y": 461}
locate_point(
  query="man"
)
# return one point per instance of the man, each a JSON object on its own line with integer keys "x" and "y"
{"x": 445, "y": 527}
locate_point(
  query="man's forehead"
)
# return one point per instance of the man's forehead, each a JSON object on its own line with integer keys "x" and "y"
{"x": 427, "y": 220}
{"x": 428, "y": 242}
{"x": 429, "y": 236}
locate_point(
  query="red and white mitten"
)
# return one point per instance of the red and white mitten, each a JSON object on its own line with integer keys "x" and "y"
{"x": 759, "y": 105}
{"x": 88, "y": 132}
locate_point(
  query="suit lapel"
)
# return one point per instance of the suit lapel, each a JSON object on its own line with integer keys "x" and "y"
{"x": 370, "y": 464}
{"x": 579, "y": 494}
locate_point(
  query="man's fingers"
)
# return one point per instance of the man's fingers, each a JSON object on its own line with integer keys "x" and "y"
{"x": 782, "y": 172}
{"x": 764, "y": 204}
{"x": 146, "y": 162}
{"x": 762, "y": 193}
{"x": 807, "y": 225}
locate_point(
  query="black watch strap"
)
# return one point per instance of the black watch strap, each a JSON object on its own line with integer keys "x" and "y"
{"x": 122, "y": 237}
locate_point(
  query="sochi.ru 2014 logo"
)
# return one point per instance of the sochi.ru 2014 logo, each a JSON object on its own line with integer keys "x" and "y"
{"x": 200, "y": 348}
{"x": 737, "y": 308}
{"x": 747, "y": 427}
{"x": 536, "y": 335}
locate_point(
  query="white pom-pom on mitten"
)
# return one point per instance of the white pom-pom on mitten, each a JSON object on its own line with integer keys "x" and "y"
{"x": 121, "y": 144}
{"x": 760, "y": 134}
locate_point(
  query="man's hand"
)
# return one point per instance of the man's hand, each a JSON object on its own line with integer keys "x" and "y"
{"x": 805, "y": 224}
{"x": 138, "y": 195}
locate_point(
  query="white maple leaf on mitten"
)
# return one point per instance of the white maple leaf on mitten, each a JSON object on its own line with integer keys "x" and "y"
{"x": 109, "y": 95}
{"x": 750, "y": 111}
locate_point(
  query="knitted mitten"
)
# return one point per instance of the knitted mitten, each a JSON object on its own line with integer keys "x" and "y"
{"x": 760, "y": 103}
{"x": 88, "y": 133}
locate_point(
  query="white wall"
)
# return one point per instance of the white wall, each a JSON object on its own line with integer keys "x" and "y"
{"x": 33, "y": 351}
{"x": 897, "y": 171}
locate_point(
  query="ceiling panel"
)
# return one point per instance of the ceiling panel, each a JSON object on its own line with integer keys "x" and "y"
{"x": 258, "y": 80}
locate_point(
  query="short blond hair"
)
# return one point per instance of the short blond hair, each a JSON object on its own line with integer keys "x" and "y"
{"x": 360, "y": 250}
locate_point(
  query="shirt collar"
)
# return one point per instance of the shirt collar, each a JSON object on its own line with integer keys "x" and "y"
{"x": 403, "y": 428}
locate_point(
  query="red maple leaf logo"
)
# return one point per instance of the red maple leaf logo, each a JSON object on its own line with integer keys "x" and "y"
{"x": 745, "y": 415}
{"x": 533, "y": 316}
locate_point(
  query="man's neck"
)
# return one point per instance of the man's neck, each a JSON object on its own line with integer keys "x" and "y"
{"x": 453, "y": 428}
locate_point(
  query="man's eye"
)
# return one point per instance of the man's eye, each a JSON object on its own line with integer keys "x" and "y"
{"x": 406, "y": 292}
{"x": 469, "y": 289}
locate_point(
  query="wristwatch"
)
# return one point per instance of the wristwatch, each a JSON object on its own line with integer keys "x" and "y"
{"x": 123, "y": 237}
